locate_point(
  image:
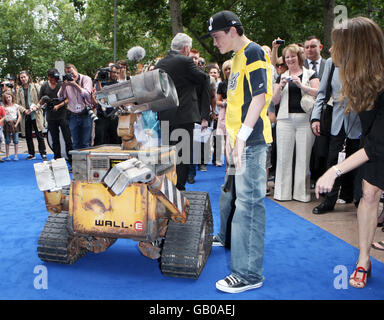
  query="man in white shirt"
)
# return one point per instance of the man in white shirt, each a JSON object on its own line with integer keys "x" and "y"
{"x": 312, "y": 49}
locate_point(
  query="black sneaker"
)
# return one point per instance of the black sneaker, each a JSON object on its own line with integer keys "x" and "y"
{"x": 233, "y": 284}
{"x": 216, "y": 242}
{"x": 30, "y": 157}
{"x": 44, "y": 157}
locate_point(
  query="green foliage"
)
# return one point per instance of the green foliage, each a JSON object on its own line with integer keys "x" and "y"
{"x": 81, "y": 31}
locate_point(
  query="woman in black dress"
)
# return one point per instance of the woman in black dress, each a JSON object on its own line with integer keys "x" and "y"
{"x": 358, "y": 51}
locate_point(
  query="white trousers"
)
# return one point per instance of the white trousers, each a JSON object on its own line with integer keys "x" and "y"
{"x": 292, "y": 134}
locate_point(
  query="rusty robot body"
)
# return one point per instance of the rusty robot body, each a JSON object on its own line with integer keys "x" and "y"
{"x": 126, "y": 192}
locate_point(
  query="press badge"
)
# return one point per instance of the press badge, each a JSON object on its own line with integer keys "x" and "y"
{"x": 78, "y": 108}
{"x": 341, "y": 157}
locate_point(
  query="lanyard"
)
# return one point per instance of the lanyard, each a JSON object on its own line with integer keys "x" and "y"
{"x": 349, "y": 128}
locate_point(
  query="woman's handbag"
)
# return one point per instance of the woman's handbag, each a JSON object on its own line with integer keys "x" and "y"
{"x": 327, "y": 109}
{"x": 307, "y": 102}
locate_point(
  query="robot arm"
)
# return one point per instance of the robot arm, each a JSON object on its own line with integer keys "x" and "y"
{"x": 133, "y": 170}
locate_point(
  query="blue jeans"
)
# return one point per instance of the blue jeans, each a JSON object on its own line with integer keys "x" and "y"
{"x": 246, "y": 230}
{"x": 81, "y": 130}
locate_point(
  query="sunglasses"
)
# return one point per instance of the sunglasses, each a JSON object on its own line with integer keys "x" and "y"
{"x": 280, "y": 65}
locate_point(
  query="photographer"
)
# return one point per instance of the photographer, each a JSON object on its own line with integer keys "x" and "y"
{"x": 123, "y": 65}
{"x": 56, "y": 113}
{"x": 106, "y": 125}
{"x": 7, "y": 85}
{"x": 77, "y": 88}
{"x": 32, "y": 117}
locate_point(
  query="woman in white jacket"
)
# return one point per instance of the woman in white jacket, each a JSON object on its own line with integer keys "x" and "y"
{"x": 294, "y": 138}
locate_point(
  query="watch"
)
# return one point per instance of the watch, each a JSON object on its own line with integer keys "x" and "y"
{"x": 338, "y": 171}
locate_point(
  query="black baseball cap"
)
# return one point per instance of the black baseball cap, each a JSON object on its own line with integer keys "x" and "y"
{"x": 220, "y": 21}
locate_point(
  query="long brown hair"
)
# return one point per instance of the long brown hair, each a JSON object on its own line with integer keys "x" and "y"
{"x": 358, "y": 51}
{"x": 7, "y": 93}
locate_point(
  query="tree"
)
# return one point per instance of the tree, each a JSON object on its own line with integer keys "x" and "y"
{"x": 38, "y": 33}
{"x": 329, "y": 16}
{"x": 81, "y": 31}
{"x": 176, "y": 19}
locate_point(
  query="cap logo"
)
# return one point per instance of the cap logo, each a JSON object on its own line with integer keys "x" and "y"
{"x": 234, "y": 22}
{"x": 210, "y": 24}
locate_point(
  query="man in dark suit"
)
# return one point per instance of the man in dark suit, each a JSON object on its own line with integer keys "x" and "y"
{"x": 187, "y": 77}
{"x": 312, "y": 50}
{"x": 314, "y": 61}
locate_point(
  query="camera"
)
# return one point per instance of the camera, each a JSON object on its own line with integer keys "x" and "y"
{"x": 68, "y": 77}
{"x": 280, "y": 41}
{"x": 50, "y": 102}
{"x": 8, "y": 84}
{"x": 103, "y": 74}
{"x": 57, "y": 76}
{"x": 289, "y": 79}
{"x": 91, "y": 113}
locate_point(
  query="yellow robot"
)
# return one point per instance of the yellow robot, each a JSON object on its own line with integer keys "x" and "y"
{"x": 126, "y": 191}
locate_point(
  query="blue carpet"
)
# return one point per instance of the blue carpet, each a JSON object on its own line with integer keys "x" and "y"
{"x": 302, "y": 261}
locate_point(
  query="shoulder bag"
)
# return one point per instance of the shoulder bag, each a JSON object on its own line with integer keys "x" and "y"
{"x": 327, "y": 109}
{"x": 307, "y": 101}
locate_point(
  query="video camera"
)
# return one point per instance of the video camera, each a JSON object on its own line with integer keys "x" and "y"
{"x": 103, "y": 74}
{"x": 50, "y": 102}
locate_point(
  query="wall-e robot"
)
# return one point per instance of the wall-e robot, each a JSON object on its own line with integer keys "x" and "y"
{"x": 126, "y": 191}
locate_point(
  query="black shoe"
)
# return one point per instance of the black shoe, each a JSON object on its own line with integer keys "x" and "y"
{"x": 30, "y": 157}
{"x": 191, "y": 180}
{"x": 44, "y": 157}
{"x": 322, "y": 208}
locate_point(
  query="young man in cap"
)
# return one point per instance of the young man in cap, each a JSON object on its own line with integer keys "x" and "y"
{"x": 249, "y": 132}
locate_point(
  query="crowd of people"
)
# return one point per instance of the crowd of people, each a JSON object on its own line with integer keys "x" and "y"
{"x": 265, "y": 112}
{"x": 63, "y": 105}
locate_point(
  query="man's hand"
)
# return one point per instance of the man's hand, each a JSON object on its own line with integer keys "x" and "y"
{"x": 237, "y": 152}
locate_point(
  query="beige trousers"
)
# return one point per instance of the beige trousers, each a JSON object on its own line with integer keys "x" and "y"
{"x": 292, "y": 134}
